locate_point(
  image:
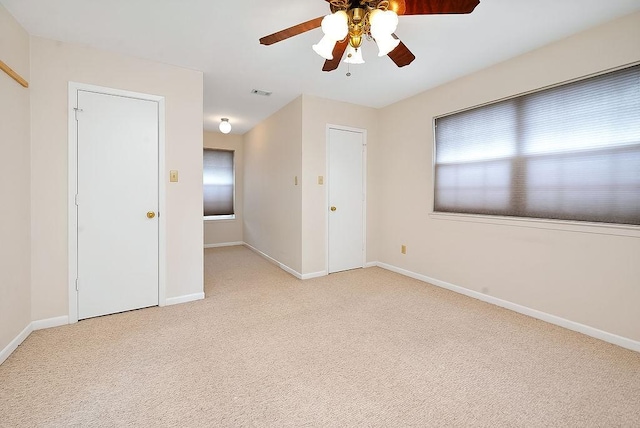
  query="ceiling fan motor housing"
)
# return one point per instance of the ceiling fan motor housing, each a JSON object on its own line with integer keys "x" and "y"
{"x": 357, "y": 26}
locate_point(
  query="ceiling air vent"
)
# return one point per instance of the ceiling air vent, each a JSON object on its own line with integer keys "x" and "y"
{"x": 261, "y": 92}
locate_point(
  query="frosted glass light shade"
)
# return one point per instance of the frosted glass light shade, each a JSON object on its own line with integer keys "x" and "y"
{"x": 324, "y": 48}
{"x": 354, "y": 56}
{"x": 225, "y": 126}
{"x": 386, "y": 44}
{"x": 383, "y": 22}
{"x": 336, "y": 26}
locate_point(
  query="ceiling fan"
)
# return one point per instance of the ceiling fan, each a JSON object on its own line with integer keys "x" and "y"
{"x": 352, "y": 21}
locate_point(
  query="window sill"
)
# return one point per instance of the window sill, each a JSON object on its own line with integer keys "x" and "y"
{"x": 231, "y": 217}
{"x": 535, "y": 223}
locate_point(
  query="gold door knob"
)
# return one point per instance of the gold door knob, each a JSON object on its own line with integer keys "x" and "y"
{"x": 333, "y": 208}
{"x": 151, "y": 214}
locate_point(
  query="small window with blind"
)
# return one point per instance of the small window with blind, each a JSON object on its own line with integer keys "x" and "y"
{"x": 571, "y": 152}
{"x": 218, "y": 184}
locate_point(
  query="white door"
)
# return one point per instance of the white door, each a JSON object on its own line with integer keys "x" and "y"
{"x": 117, "y": 203}
{"x": 346, "y": 200}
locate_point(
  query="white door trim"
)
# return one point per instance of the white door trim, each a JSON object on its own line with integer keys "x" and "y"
{"x": 364, "y": 190}
{"x": 73, "y": 184}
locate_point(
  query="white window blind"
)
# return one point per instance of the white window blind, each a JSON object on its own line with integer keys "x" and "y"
{"x": 571, "y": 152}
{"x": 218, "y": 182}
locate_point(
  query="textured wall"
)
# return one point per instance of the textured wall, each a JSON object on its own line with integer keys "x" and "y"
{"x": 590, "y": 275}
{"x": 15, "y": 209}
{"x": 316, "y": 114}
{"x": 53, "y": 65}
{"x": 272, "y": 200}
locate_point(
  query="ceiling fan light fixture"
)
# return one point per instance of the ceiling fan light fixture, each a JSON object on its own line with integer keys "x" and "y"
{"x": 336, "y": 26}
{"x": 354, "y": 56}
{"x": 353, "y": 21}
{"x": 324, "y": 48}
{"x": 386, "y": 44}
{"x": 225, "y": 126}
{"x": 383, "y": 25}
{"x": 383, "y": 22}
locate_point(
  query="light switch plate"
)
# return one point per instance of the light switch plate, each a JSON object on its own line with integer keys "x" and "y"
{"x": 320, "y": 180}
{"x": 173, "y": 176}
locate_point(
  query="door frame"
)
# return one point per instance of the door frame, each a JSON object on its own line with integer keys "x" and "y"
{"x": 74, "y": 87}
{"x": 364, "y": 189}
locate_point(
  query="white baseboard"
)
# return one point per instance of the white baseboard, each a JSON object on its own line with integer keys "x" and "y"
{"x": 275, "y": 262}
{"x": 33, "y": 326}
{"x": 64, "y": 320}
{"x": 289, "y": 270}
{"x": 13, "y": 345}
{"x": 224, "y": 244}
{"x": 314, "y": 275}
{"x": 371, "y": 264}
{"x": 50, "y": 323}
{"x": 272, "y": 260}
{"x": 184, "y": 299}
{"x": 552, "y": 319}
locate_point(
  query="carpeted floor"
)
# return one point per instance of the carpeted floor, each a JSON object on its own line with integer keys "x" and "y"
{"x": 361, "y": 348}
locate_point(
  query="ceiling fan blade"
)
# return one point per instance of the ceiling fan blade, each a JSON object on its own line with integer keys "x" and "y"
{"x": 291, "y": 31}
{"x": 401, "y": 55}
{"x": 338, "y": 51}
{"x": 432, "y": 7}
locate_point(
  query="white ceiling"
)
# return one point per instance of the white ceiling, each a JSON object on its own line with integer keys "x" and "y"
{"x": 221, "y": 39}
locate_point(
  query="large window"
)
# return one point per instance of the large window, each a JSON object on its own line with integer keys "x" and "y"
{"x": 571, "y": 152}
{"x": 218, "y": 184}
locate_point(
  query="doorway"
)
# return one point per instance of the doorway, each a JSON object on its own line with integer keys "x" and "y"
{"x": 116, "y": 140}
{"x": 346, "y": 159}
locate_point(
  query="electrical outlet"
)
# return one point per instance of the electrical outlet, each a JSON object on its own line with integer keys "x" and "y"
{"x": 403, "y": 249}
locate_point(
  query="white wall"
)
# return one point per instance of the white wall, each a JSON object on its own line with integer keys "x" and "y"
{"x": 316, "y": 114}
{"x": 285, "y": 221}
{"x": 53, "y": 65}
{"x": 15, "y": 210}
{"x": 591, "y": 276}
{"x": 272, "y": 200}
{"x": 227, "y": 231}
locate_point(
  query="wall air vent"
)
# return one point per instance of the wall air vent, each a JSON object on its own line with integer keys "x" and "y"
{"x": 261, "y": 92}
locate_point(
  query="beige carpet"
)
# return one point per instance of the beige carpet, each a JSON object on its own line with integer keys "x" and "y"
{"x": 361, "y": 348}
